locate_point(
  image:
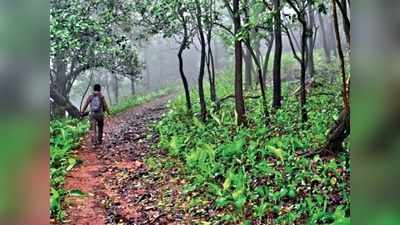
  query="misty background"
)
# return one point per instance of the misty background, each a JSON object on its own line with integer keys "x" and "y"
{"x": 158, "y": 57}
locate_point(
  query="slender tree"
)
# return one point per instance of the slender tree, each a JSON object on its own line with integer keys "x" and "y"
{"x": 269, "y": 43}
{"x": 210, "y": 57}
{"x": 182, "y": 47}
{"x": 257, "y": 61}
{"x": 277, "y": 96}
{"x": 246, "y": 52}
{"x": 203, "y": 107}
{"x": 341, "y": 129}
{"x": 311, "y": 33}
{"x": 239, "y": 99}
{"x": 300, "y": 9}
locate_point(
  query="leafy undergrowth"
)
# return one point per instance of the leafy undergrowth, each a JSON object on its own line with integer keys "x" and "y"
{"x": 256, "y": 175}
{"x": 65, "y": 136}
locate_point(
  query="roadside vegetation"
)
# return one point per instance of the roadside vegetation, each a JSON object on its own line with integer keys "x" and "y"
{"x": 266, "y": 171}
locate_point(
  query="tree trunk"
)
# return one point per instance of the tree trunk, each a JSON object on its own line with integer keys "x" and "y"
{"x": 346, "y": 22}
{"x": 181, "y": 70}
{"x": 266, "y": 59}
{"x": 247, "y": 70}
{"x": 278, "y": 57}
{"x": 310, "y": 34}
{"x": 86, "y": 90}
{"x": 239, "y": 100}
{"x": 214, "y": 91}
{"x": 61, "y": 105}
{"x": 338, "y": 133}
{"x": 257, "y": 51}
{"x": 303, "y": 99}
{"x": 324, "y": 38}
{"x": 248, "y": 64}
{"x": 210, "y": 66}
{"x": 341, "y": 58}
{"x": 260, "y": 78}
{"x": 203, "y": 107}
{"x": 61, "y": 78}
{"x": 341, "y": 129}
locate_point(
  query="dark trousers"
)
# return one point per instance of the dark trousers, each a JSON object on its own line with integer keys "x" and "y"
{"x": 97, "y": 119}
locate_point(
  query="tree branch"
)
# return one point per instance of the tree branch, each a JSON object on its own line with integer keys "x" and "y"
{"x": 291, "y": 43}
{"x": 224, "y": 28}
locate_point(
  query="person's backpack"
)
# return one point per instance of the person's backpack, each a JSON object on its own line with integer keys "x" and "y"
{"x": 96, "y": 104}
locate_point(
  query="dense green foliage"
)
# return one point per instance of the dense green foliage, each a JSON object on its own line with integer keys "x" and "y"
{"x": 256, "y": 173}
{"x": 65, "y": 135}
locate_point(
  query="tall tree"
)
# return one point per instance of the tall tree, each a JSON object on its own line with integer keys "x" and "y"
{"x": 247, "y": 69}
{"x": 170, "y": 18}
{"x": 341, "y": 129}
{"x": 239, "y": 99}
{"x": 83, "y": 36}
{"x": 276, "y": 75}
{"x": 300, "y": 8}
{"x": 203, "y": 107}
{"x": 210, "y": 18}
{"x": 269, "y": 42}
{"x": 311, "y": 40}
{"x": 248, "y": 29}
{"x": 183, "y": 46}
{"x": 248, "y": 63}
{"x": 342, "y": 4}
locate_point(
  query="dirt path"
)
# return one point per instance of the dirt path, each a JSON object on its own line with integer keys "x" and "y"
{"x": 118, "y": 185}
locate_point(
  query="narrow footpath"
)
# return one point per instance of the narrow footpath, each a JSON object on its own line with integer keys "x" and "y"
{"x": 117, "y": 184}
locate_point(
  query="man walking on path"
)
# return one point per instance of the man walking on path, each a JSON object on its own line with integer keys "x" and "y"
{"x": 98, "y": 106}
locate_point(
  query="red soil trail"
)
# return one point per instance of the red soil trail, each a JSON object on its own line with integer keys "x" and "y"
{"x": 117, "y": 185}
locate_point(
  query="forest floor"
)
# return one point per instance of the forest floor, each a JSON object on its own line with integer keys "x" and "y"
{"x": 117, "y": 185}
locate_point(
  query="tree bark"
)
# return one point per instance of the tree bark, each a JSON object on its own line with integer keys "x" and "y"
{"x": 181, "y": 70}
{"x": 278, "y": 56}
{"x": 203, "y": 107}
{"x": 338, "y": 133}
{"x": 247, "y": 70}
{"x": 210, "y": 65}
{"x": 257, "y": 51}
{"x": 246, "y": 52}
{"x": 346, "y": 21}
{"x": 266, "y": 59}
{"x": 260, "y": 78}
{"x": 341, "y": 58}
{"x": 341, "y": 129}
{"x": 310, "y": 57}
{"x": 239, "y": 100}
{"x": 63, "y": 105}
{"x": 86, "y": 90}
{"x": 303, "y": 100}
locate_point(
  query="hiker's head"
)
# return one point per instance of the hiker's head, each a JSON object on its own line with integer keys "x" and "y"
{"x": 97, "y": 87}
